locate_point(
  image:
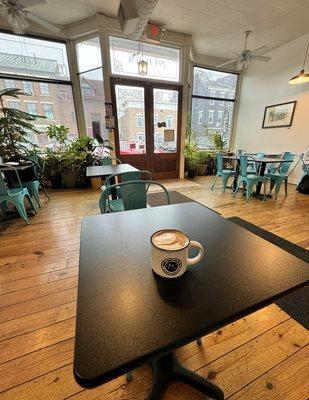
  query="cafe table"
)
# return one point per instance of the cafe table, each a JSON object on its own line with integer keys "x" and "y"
{"x": 105, "y": 171}
{"x": 128, "y": 316}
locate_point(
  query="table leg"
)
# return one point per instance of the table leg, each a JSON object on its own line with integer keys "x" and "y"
{"x": 259, "y": 185}
{"x": 168, "y": 368}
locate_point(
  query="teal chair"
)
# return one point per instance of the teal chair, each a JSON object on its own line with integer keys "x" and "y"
{"x": 225, "y": 174}
{"x": 249, "y": 180}
{"x": 107, "y": 161}
{"x": 15, "y": 196}
{"x": 254, "y": 167}
{"x": 281, "y": 173}
{"x": 133, "y": 195}
{"x": 127, "y": 176}
{"x": 33, "y": 186}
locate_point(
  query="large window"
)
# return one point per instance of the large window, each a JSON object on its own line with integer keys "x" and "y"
{"x": 92, "y": 86}
{"x": 39, "y": 68}
{"x": 163, "y": 62}
{"x": 212, "y": 104}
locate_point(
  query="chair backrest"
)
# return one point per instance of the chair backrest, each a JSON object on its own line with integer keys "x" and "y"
{"x": 244, "y": 164}
{"x": 4, "y": 190}
{"x": 133, "y": 194}
{"x": 107, "y": 161}
{"x": 129, "y": 176}
{"x": 259, "y": 155}
{"x": 219, "y": 162}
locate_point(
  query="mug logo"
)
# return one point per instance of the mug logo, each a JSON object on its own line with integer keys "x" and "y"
{"x": 171, "y": 266}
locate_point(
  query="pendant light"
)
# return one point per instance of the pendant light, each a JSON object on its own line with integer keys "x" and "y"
{"x": 142, "y": 64}
{"x": 302, "y": 77}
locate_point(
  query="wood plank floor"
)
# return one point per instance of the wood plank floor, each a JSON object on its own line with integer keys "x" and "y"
{"x": 262, "y": 356}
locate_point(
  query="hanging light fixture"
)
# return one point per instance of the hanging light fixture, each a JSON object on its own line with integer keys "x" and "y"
{"x": 142, "y": 64}
{"x": 302, "y": 77}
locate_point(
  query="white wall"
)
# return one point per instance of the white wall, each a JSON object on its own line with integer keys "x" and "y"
{"x": 266, "y": 83}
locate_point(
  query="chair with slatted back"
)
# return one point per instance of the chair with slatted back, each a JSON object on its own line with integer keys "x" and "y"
{"x": 15, "y": 195}
{"x": 132, "y": 196}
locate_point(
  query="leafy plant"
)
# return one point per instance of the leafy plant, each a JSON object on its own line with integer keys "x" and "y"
{"x": 203, "y": 157}
{"x": 58, "y": 132}
{"x": 216, "y": 138}
{"x": 191, "y": 156}
{"x": 15, "y": 127}
{"x": 190, "y": 133}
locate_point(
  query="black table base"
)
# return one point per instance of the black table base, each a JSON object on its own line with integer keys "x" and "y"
{"x": 168, "y": 368}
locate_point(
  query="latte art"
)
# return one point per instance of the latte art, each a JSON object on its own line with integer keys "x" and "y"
{"x": 170, "y": 239}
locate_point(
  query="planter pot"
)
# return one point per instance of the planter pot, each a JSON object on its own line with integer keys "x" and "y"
{"x": 56, "y": 181}
{"x": 192, "y": 173}
{"x": 201, "y": 169}
{"x": 69, "y": 180}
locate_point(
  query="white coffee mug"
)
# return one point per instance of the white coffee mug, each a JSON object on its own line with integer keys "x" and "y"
{"x": 169, "y": 252}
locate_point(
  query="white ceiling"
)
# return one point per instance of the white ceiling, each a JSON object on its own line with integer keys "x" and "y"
{"x": 216, "y": 26}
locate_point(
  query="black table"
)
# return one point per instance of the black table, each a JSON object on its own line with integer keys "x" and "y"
{"x": 127, "y": 316}
{"x": 107, "y": 170}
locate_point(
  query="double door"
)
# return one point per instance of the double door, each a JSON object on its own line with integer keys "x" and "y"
{"x": 147, "y": 133}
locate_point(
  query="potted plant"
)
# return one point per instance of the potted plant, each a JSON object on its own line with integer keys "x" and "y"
{"x": 16, "y": 127}
{"x": 70, "y": 165}
{"x": 202, "y": 159}
{"x": 191, "y": 159}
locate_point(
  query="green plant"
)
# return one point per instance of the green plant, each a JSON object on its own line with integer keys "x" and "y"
{"x": 58, "y": 132}
{"x": 190, "y": 133}
{"x": 191, "y": 156}
{"x": 203, "y": 157}
{"x": 15, "y": 127}
{"x": 216, "y": 138}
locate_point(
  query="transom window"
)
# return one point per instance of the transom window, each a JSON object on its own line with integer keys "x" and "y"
{"x": 212, "y": 104}
{"x": 163, "y": 63}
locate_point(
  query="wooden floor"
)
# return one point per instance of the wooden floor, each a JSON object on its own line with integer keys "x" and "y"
{"x": 263, "y": 356}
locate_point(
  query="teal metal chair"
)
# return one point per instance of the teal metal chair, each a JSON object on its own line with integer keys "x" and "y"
{"x": 225, "y": 174}
{"x": 107, "y": 161}
{"x": 15, "y": 195}
{"x": 281, "y": 174}
{"x": 127, "y": 176}
{"x": 33, "y": 186}
{"x": 254, "y": 167}
{"x": 133, "y": 195}
{"x": 249, "y": 180}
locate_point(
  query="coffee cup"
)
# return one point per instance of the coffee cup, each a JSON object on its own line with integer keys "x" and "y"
{"x": 169, "y": 252}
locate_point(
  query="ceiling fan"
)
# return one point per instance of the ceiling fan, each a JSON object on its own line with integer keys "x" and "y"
{"x": 16, "y": 13}
{"x": 246, "y": 55}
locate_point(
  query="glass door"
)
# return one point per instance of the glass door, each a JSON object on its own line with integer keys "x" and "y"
{"x": 147, "y": 126}
{"x": 165, "y": 132}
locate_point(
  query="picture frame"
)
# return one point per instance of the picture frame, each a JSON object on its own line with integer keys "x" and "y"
{"x": 279, "y": 115}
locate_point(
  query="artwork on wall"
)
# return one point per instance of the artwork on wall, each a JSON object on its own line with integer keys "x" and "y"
{"x": 279, "y": 115}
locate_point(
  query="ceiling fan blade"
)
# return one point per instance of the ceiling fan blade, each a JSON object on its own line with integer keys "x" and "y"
{"x": 29, "y": 3}
{"x": 226, "y": 63}
{"x": 41, "y": 21}
{"x": 260, "y": 58}
{"x": 258, "y": 50}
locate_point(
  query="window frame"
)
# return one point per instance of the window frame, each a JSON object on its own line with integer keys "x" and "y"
{"x": 220, "y": 99}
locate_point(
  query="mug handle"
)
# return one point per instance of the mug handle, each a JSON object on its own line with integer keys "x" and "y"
{"x": 194, "y": 260}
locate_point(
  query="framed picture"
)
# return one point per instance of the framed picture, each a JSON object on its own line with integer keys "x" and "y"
{"x": 279, "y": 115}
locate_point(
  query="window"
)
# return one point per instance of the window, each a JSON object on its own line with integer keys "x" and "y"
{"x": 14, "y": 104}
{"x": 27, "y": 87}
{"x": 155, "y": 120}
{"x": 169, "y": 122}
{"x": 222, "y": 95}
{"x": 210, "y": 116}
{"x": 44, "y": 89}
{"x": 200, "y": 117}
{"x": 214, "y": 94}
{"x": 33, "y": 57}
{"x": 44, "y": 64}
{"x": 32, "y": 108}
{"x": 163, "y": 62}
{"x": 139, "y": 121}
{"x": 9, "y": 84}
{"x": 92, "y": 86}
{"x": 48, "y": 110}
